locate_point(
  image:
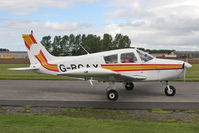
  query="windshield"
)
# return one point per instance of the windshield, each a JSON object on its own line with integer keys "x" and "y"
{"x": 144, "y": 56}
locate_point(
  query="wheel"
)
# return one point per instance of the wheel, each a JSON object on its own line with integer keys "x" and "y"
{"x": 129, "y": 85}
{"x": 171, "y": 91}
{"x": 112, "y": 95}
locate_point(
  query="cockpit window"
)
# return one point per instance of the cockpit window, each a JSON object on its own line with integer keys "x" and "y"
{"x": 128, "y": 58}
{"x": 111, "y": 59}
{"x": 144, "y": 56}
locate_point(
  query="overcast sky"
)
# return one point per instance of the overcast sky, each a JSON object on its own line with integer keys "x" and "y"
{"x": 154, "y": 24}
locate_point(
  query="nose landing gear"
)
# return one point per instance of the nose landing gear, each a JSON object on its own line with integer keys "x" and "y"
{"x": 169, "y": 90}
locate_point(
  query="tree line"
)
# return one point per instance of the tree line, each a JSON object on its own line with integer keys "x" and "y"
{"x": 71, "y": 44}
{"x": 4, "y": 50}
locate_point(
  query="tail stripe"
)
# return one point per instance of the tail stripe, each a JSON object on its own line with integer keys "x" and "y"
{"x": 33, "y": 39}
{"x": 27, "y": 45}
{"x": 43, "y": 61}
{"x": 29, "y": 40}
{"x": 43, "y": 56}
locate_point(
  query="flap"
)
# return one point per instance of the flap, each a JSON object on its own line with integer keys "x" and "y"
{"x": 133, "y": 77}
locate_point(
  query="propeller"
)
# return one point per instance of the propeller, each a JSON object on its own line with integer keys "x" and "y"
{"x": 186, "y": 65}
{"x": 185, "y": 71}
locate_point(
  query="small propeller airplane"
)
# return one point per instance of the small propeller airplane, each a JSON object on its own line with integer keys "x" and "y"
{"x": 123, "y": 65}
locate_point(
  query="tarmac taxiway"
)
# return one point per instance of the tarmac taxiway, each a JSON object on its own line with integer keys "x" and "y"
{"x": 62, "y": 93}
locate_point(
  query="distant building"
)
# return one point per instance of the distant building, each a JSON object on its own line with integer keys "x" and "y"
{"x": 184, "y": 54}
{"x": 13, "y": 55}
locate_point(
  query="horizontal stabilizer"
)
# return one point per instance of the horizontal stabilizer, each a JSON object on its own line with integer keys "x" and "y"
{"x": 89, "y": 72}
{"x": 23, "y": 68}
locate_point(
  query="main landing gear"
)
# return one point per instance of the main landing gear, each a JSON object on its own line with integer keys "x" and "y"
{"x": 169, "y": 90}
{"x": 129, "y": 85}
{"x": 112, "y": 94}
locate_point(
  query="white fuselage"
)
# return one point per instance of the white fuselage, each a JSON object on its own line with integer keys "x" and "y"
{"x": 154, "y": 69}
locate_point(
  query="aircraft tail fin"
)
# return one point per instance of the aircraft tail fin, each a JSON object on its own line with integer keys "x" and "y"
{"x": 36, "y": 51}
{"x": 38, "y": 55}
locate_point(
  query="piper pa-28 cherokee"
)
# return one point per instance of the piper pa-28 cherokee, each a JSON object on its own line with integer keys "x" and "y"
{"x": 123, "y": 65}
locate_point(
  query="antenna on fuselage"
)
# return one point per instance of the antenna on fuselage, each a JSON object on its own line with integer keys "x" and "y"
{"x": 84, "y": 49}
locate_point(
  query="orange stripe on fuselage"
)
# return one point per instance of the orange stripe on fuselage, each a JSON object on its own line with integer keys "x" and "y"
{"x": 141, "y": 67}
{"x": 43, "y": 61}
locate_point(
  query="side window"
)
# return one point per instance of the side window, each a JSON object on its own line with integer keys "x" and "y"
{"x": 111, "y": 59}
{"x": 128, "y": 58}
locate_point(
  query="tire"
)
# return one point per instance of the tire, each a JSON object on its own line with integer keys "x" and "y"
{"x": 112, "y": 95}
{"x": 171, "y": 91}
{"x": 129, "y": 86}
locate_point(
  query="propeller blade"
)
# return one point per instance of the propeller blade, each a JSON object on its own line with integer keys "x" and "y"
{"x": 187, "y": 59}
{"x": 186, "y": 65}
{"x": 185, "y": 71}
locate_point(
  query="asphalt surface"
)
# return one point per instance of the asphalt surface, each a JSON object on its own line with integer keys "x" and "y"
{"x": 54, "y": 93}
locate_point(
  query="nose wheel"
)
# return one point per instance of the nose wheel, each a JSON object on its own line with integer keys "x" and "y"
{"x": 169, "y": 90}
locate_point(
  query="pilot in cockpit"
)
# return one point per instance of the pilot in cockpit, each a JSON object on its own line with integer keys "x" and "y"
{"x": 129, "y": 58}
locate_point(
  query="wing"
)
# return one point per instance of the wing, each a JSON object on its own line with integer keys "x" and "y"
{"x": 102, "y": 75}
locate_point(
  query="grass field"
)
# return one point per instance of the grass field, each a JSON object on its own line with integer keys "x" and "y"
{"x": 192, "y": 74}
{"x": 29, "y": 123}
